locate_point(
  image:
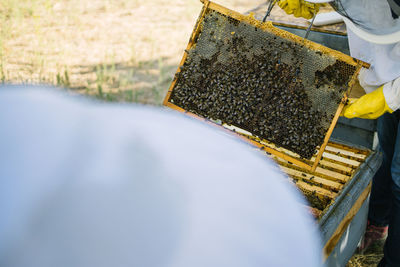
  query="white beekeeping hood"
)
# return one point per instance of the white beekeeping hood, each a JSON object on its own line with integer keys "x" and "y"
{"x": 373, "y": 21}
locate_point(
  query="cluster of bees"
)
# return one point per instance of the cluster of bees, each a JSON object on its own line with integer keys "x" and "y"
{"x": 337, "y": 74}
{"x": 257, "y": 92}
{"x": 315, "y": 201}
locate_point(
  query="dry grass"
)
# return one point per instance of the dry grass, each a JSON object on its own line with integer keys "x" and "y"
{"x": 370, "y": 258}
{"x": 119, "y": 50}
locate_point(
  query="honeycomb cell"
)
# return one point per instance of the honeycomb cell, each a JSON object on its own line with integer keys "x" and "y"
{"x": 268, "y": 85}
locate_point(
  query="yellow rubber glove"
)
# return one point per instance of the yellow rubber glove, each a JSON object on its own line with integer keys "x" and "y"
{"x": 299, "y": 8}
{"x": 369, "y": 106}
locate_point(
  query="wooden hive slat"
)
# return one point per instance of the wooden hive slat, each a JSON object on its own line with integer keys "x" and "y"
{"x": 314, "y": 179}
{"x": 347, "y": 155}
{"x": 338, "y": 158}
{"x": 331, "y": 182}
{"x": 336, "y": 167}
{"x": 319, "y": 191}
{"x": 320, "y": 172}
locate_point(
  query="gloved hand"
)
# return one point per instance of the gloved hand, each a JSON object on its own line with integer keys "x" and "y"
{"x": 369, "y": 106}
{"x": 299, "y": 8}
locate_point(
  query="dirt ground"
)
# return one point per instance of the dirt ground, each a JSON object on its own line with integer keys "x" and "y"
{"x": 116, "y": 50}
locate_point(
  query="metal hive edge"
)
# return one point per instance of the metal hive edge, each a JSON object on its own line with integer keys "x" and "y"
{"x": 335, "y": 214}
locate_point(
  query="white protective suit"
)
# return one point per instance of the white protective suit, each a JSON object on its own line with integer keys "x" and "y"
{"x": 375, "y": 16}
{"x": 86, "y": 184}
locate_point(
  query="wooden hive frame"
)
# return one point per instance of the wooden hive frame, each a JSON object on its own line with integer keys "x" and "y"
{"x": 285, "y": 154}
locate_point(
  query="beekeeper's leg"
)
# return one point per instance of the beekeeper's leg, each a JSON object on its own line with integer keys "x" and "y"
{"x": 381, "y": 196}
{"x": 392, "y": 245}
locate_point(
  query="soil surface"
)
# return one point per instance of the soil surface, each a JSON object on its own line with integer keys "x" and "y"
{"x": 116, "y": 50}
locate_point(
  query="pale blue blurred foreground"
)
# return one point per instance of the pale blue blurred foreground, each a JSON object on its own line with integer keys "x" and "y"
{"x": 90, "y": 184}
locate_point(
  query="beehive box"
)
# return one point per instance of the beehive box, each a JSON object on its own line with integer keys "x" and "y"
{"x": 284, "y": 92}
{"x": 336, "y": 181}
{"x": 334, "y": 171}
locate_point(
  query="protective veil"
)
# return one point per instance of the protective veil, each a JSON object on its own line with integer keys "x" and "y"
{"x": 375, "y": 17}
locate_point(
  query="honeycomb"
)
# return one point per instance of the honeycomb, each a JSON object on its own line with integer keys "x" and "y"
{"x": 275, "y": 88}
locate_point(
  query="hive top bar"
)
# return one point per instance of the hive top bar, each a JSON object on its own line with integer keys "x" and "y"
{"x": 250, "y": 75}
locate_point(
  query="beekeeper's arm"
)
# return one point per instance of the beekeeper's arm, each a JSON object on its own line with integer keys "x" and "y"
{"x": 372, "y": 105}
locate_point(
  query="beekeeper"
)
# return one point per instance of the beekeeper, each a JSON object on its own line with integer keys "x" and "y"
{"x": 373, "y": 29}
{"x": 90, "y": 184}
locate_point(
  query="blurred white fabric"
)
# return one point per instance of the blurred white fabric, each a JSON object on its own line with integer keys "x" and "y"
{"x": 90, "y": 184}
{"x": 372, "y": 16}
